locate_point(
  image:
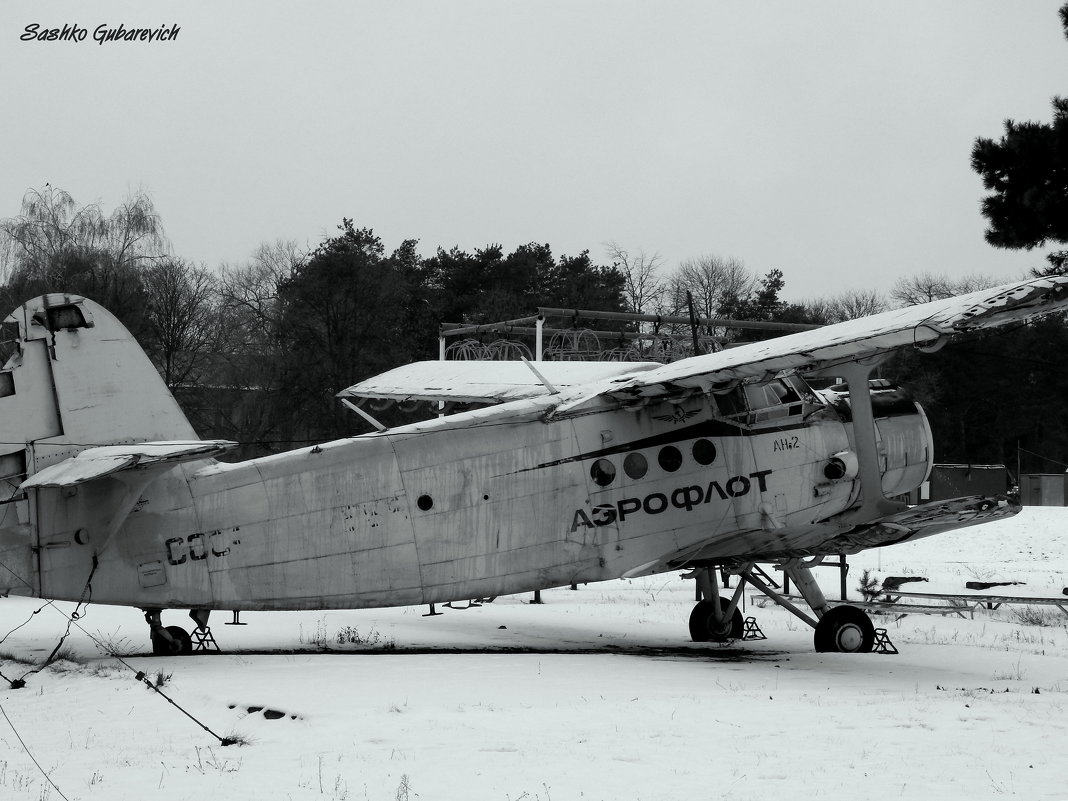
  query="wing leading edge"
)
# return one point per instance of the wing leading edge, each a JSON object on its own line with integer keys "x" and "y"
{"x": 926, "y": 326}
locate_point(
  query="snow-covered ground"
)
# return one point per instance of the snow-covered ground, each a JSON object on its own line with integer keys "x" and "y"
{"x": 597, "y": 694}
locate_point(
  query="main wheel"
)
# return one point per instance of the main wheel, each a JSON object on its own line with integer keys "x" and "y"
{"x": 182, "y": 643}
{"x": 704, "y": 627}
{"x": 845, "y": 629}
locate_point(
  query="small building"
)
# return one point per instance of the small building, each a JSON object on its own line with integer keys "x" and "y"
{"x": 958, "y": 480}
{"x": 1044, "y": 489}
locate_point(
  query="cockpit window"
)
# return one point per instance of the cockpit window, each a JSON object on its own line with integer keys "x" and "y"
{"x": 759, "y": 403}
{"x": 773, "y": 393}
{"x": 731, "y": 403}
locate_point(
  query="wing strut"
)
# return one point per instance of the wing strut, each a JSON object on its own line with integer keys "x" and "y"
{"x": 363, "y": 414}
{"x": 552, "y": 390}
{"x": 873, "y": 504}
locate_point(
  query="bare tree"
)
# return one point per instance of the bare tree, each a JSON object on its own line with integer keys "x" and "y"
{"x": 644, "y": 290}
{"x": 820, "y": 311}
{"x": 52, "y": 228}
{"x": 251, "y": 353}
{"x": 974, "y": 282}
{"x": 183, "y": 315}
{"x": 711, "y": 280}
{"x": 925, "y": 287}
{"x": 854, "y": 303}
{"x": 921, "y": 288}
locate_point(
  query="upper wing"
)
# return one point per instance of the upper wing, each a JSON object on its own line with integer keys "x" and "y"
{"x": 95, "y": 463}
{"x": 485, "y": 382}
{"x": 927, "y": 326}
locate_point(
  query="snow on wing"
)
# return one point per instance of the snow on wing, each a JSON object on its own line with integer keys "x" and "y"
{"x": 926, "y": 325}
{"x": 95, "y": 463}
{"x": 77, "y": 471}
{"x": 484, "y": 382}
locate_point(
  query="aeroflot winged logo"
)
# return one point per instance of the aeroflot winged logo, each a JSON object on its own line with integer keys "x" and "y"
{"x": 687, "y": 498}
{"x": 678, "y": 416}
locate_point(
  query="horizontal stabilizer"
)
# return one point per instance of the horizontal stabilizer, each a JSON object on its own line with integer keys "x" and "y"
{"x": 485, "y": 382}
{"x": 95, "y": 463}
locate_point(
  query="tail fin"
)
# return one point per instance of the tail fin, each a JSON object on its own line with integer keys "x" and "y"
{"x": 71, "y": 378}
{"x": 77, "y": 378}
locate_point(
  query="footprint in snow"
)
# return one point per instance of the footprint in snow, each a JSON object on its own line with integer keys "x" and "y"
{"x": 270, "y": 714}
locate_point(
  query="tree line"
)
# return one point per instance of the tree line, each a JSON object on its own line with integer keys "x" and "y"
{"x": 256, "y": 352}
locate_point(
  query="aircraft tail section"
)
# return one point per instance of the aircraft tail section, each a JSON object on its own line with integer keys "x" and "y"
{"x": 71, "y": 378}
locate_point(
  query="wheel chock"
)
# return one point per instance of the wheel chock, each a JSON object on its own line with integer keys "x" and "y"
{"x": 751, "y": 631}
{"x": 882, "y": 643}
{"x": 203, "y": 640}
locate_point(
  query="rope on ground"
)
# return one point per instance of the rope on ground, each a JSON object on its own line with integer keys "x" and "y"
{"x": 143, "y": 678}
{"x": 30, "y": 754}
{"x": 72, "y": 620}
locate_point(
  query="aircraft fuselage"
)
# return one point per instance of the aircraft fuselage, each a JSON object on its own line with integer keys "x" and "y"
{"x": 485, "y": 503}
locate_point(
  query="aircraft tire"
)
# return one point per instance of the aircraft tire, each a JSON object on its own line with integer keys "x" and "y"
{"x": 703, "y": 626}
{"x": 182, "y": 644}
{"x": 845, "y": 629}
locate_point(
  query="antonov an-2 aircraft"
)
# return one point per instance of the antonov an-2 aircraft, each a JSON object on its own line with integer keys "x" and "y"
{"x": 578, "y": 472}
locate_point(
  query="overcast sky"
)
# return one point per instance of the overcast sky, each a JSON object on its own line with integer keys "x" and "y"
{"x": 831, "y": 140}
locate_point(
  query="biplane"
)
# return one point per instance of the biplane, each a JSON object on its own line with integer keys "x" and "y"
{"x": 567, "y": 473}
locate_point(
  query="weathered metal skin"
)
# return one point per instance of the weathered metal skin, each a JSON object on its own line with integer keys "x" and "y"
{"x": 444, "y": 512}
{"x": 490, "y": 502}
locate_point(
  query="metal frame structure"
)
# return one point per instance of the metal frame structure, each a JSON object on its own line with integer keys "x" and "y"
{"x": 535, "y": 325}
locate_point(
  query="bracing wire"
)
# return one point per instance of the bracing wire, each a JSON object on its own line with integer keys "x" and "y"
{"x": 72, "y": 620}
{"x": 143, "y": 678}
{"x": 30, "y": 754}
{"x": 86, "y": 597}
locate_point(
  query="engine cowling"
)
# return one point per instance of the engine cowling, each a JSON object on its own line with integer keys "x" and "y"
{"x": 902, "y": 433}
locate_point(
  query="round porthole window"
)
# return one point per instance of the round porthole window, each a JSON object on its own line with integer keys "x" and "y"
{"x": 670, "y": 458}
{"x": 704, "y": 452}
{"x": 603, "y": 472}
{"x": 635, "y": 465}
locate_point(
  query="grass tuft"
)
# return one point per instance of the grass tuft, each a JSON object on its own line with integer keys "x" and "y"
{"x": 1037, "y": 616}
{"x": 10, "y": 656}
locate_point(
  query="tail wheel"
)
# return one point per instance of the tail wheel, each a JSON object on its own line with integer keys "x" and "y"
{"x": 845, "y": 629}
{"x": 707, "y": 624}
{"x": 180, "y": 642}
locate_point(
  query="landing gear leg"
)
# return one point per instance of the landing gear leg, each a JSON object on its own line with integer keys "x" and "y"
{"x": 200, "y": 617}
{"x": 167, "y": 640}
{"x": 843, "y": 629}
{"x": 714, "y": 618}
{"x": 801, "y": 575}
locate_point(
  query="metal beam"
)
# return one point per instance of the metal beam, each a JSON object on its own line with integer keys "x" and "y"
{"x": 721, "y": 322}
{"x": 500, "y": 328}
